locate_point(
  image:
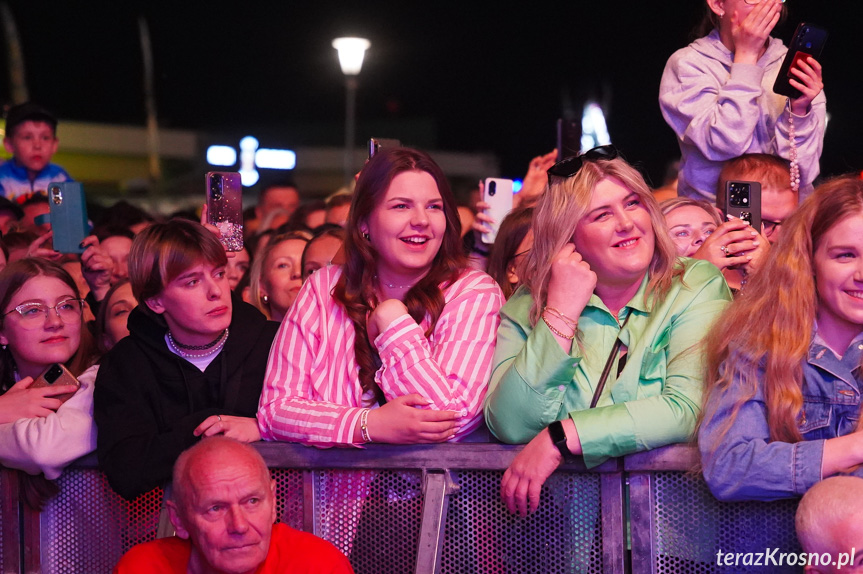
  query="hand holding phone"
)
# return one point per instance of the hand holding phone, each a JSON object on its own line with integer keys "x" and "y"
{"x": 56, "y": 376}
{"x": 225, "y": 207}
{"x": 808, "y": 40}
{"x": 742, "y": 199}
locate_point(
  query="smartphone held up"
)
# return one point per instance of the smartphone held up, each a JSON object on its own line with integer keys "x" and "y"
{"x": 497, "y": 193}
{"x": 225, "y": 207}
{"x": 808, "y": 40}
{"x": 67, "y": 215}
{"x": 56, "y": 375}
{"x": 742, "y": 199}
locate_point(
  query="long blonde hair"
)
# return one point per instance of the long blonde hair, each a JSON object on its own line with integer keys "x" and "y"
{"x": 770, "y": 323}
{"x": 561, "y": 207}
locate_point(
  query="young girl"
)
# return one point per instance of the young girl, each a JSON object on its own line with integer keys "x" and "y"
{"x": 42, "y": 324}
{"x": 717, "y": 95}
{"x": 395, "y": 346}
{"x": 783, "y": 365}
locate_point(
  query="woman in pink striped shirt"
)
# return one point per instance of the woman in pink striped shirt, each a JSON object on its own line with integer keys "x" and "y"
{"x": 396, "y": 345}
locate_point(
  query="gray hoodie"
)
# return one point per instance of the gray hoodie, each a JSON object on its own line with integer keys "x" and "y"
{"x": 720, "y": 110}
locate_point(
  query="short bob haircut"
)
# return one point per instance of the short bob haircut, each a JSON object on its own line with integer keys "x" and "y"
{"x": 561, "y": 207}
{"x": 163, "y": 251}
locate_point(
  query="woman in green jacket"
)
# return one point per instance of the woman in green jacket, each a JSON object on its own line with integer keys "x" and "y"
{"x": 598, "y": 353}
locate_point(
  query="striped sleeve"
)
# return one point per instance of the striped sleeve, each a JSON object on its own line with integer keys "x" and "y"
{"x": 292, "y": 408}
{"x": 453, "y": 366}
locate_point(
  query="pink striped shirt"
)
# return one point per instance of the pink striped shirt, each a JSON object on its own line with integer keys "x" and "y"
{"x": 312, "y": 391}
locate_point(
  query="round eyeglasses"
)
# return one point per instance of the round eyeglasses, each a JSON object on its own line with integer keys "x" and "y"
{"x": 35, "y": 314}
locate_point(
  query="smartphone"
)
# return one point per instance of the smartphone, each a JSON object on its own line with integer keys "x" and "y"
{"x": 808, "y": 40}
{"x": 225, "y": 207}
{"x": 376, "y": 144}
{"x": 68, "y": 216}
{"x": 498, "y": 194}
{"x": 742, "y": 199}
{"x": 568, "y": 138}
{"x": 54, "y": 376}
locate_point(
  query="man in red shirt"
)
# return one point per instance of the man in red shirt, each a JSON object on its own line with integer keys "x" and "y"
{"x": 223, "y": 509}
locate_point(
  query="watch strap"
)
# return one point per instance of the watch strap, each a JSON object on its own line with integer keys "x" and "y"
{"x": 558, "y": 437}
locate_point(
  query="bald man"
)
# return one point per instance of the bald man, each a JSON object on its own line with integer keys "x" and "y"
{"x": 223, "y": 509}
{"x": 829, "y": 524}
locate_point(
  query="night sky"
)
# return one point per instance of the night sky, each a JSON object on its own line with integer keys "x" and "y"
{"x": 485, "y": 76}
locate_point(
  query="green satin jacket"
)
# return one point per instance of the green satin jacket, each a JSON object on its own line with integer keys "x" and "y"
{"x": 657, "y": 397}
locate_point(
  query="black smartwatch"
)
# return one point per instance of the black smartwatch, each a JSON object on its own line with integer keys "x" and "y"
{"x": 558, "y": 437}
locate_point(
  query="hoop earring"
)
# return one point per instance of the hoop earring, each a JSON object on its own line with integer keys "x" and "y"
{"x": 366, "y": 236}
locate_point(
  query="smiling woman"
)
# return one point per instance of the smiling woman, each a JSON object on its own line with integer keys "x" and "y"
{"x": 782, "y": 409}
{"x": 597, "y": 353}
{"x": 396, "y": 345}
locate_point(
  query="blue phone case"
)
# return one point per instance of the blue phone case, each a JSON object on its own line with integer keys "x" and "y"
{"x": 68, "y": 216}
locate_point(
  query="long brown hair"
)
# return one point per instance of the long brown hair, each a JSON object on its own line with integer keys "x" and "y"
{"x": 562, "y": 206}
{"x": 770, "y": 324}
{"x": 355, "y": 289}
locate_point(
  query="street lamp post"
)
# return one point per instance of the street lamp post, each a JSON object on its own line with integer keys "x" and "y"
{"x": 351, "y": 53}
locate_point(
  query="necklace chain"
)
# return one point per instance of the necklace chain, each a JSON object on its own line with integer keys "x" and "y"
{"x": 391, "y": 285}
{"x": 210, "y": 348}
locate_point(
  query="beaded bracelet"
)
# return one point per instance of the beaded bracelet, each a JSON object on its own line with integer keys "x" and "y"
{"x": 556, "y": 331}
{"x": 571, "y": 323}
{"x": 364, "y": 426}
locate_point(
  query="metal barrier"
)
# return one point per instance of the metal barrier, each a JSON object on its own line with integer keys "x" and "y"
{"x": 434, "y": 509}
{"x": 10, "y": 539}
{"x": 678, "y": 527}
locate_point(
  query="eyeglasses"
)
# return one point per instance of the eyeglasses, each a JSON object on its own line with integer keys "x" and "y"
{"x": 754, "y": 2}
{"x": 568, "y": 167}
{"x": 770, "y": 227}
{"x": 34, "y": 314}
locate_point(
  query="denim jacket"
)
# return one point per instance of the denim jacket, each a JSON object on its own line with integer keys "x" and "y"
{"x": 743, "y": 464}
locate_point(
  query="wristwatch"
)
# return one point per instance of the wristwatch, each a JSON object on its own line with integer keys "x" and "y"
{"x": 558, "y": 437}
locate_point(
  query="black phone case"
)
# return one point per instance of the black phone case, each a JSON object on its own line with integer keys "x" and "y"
{"x": 749, "y": 211}
{"x": 808, "y": 39}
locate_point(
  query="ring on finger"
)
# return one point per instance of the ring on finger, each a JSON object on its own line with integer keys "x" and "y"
{"x": 723, "y": 249}
{"x": 219, "y": 417}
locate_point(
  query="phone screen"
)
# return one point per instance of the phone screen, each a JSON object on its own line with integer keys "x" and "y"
{"x": 225, "y": 207}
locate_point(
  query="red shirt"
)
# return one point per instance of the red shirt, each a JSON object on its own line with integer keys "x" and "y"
{"x": 291, "y": 552}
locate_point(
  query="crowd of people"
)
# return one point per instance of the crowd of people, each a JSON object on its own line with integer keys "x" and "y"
{"x": 600, "y": 323}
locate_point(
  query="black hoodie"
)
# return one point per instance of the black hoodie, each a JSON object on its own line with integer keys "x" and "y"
{"x": 149, "y": 400}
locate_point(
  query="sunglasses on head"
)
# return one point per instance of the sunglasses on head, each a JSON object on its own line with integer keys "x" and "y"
{"x": 568, "y": 167}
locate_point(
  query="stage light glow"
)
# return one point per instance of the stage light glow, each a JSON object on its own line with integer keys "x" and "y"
{"x": 221, "y": 155}
{"x": 276, "y": 159}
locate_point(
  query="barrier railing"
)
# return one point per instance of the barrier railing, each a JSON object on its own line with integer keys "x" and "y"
{"x": 678, "y": 527}
{"x": 434, "y": 509}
